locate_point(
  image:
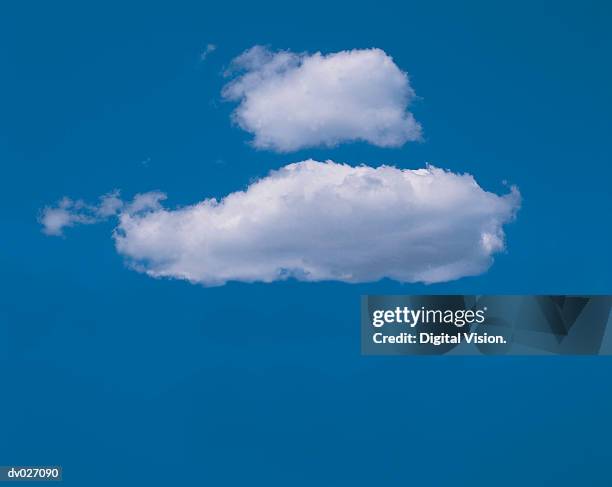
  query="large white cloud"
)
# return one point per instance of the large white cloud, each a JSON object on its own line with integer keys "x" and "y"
{"x": 292, "y": 101}
{"x": 317, "y": 221}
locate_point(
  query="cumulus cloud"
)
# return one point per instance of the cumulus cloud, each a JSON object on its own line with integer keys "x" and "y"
{"x": 316, "y": 221}
{"x": 291, "y": 101}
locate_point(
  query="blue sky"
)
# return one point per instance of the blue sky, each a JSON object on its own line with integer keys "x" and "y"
{"x": 105, "y": 367}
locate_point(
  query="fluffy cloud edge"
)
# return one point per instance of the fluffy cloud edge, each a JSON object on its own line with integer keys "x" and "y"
{"x": 69, "y": 213}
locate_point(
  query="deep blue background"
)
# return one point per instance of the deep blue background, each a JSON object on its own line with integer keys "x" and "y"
{"x": 127, "y": 380}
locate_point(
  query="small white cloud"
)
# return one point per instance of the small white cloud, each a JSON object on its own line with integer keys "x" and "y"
{"x": 291, "y": 101}
{"x": 207, "y": 50}
{"x": 145, "y": 202}
{"x": 55, "y": 219}
{"x": 110, "y": 204}
{"x": 316, "y": 221}
{"x": 68, "y": 213}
